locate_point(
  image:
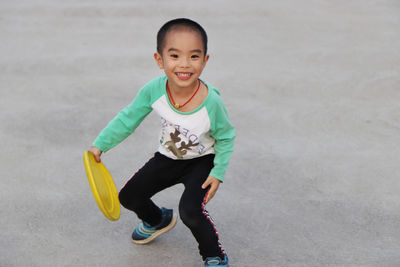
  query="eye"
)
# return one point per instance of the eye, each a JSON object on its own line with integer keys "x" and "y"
{"x": 195, "y": 56}
{"x": 174, "y": 55}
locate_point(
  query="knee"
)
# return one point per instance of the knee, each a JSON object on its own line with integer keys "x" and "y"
{"x": 128, "y": 198}
{"x": 123, "y": 198}
{"x": 190, "y": 216}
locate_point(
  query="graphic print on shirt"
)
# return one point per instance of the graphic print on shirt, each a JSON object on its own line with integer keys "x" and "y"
{"x": 193, "y": 130}
{"x": 182, "y": 150}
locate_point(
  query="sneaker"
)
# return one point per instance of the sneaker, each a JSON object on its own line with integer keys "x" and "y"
{"x": 144, "y": 233}
{"x": 216, "y": 261}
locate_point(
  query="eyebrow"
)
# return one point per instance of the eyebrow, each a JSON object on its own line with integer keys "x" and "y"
{"x": 177, "y": 50}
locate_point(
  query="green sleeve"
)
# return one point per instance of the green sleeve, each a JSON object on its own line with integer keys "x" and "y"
{"x": 224, "y": 134}
{"x": 125, "y": 122}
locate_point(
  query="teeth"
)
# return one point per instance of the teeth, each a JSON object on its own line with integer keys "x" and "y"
{"x": 184, "y": 74}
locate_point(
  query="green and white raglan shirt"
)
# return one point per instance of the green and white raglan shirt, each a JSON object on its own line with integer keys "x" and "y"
{"x": 184, "y": 135}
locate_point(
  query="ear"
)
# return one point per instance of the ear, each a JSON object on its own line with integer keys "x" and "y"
{"x": 206, "y": 58}
{"x": 159, "y": 60}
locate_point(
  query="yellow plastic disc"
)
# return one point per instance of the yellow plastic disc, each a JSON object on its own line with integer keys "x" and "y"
{"x": 103, "y": 187}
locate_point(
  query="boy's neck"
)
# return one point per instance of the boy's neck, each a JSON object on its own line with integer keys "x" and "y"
{"x": 183, "y": 91}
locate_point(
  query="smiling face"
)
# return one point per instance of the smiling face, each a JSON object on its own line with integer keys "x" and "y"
{"x": 182, "y": 58}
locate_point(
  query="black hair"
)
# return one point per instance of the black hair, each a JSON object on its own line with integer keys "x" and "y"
{"x": 176, "y": 24}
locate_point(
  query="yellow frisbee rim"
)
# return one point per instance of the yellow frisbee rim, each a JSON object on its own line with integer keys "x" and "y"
{"x": 112, "y": 211}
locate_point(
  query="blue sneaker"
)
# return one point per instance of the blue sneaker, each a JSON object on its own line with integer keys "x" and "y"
{"x": 216, "y": 261}
{"x": 144, "y": 233}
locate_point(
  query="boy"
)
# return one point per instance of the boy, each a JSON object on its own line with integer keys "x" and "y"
{"x": 196, "y": 141}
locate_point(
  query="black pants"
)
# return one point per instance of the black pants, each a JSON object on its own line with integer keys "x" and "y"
{"x": 161, "y": 172}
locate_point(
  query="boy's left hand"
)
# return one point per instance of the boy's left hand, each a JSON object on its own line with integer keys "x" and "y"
{"x": 214, "y": 184}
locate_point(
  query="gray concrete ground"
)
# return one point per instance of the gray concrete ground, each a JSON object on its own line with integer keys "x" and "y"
{"x": 312, "y": 87}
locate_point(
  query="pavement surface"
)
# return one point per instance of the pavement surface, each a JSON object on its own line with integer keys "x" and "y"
{"x": 313, "y": 88}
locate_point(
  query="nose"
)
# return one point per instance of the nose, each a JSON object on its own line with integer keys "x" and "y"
{"x": 184, "y": 62}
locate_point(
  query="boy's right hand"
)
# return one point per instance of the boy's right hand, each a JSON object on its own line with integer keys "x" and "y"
{"x": 96, "y": 152}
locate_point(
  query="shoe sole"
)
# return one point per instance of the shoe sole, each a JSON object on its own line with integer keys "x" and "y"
{"x": 159, "y": 232}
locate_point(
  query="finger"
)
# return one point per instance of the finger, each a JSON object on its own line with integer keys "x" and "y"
{"x": 96, "y": 153}
{"x": 209, "y": 197}
{"x": 97, "y": 157}
{"x": 206, "y": 184}
{"x": 210, "y": 194}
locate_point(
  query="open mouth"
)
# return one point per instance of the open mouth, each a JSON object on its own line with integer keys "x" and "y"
{"x": 184, "y": 75}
